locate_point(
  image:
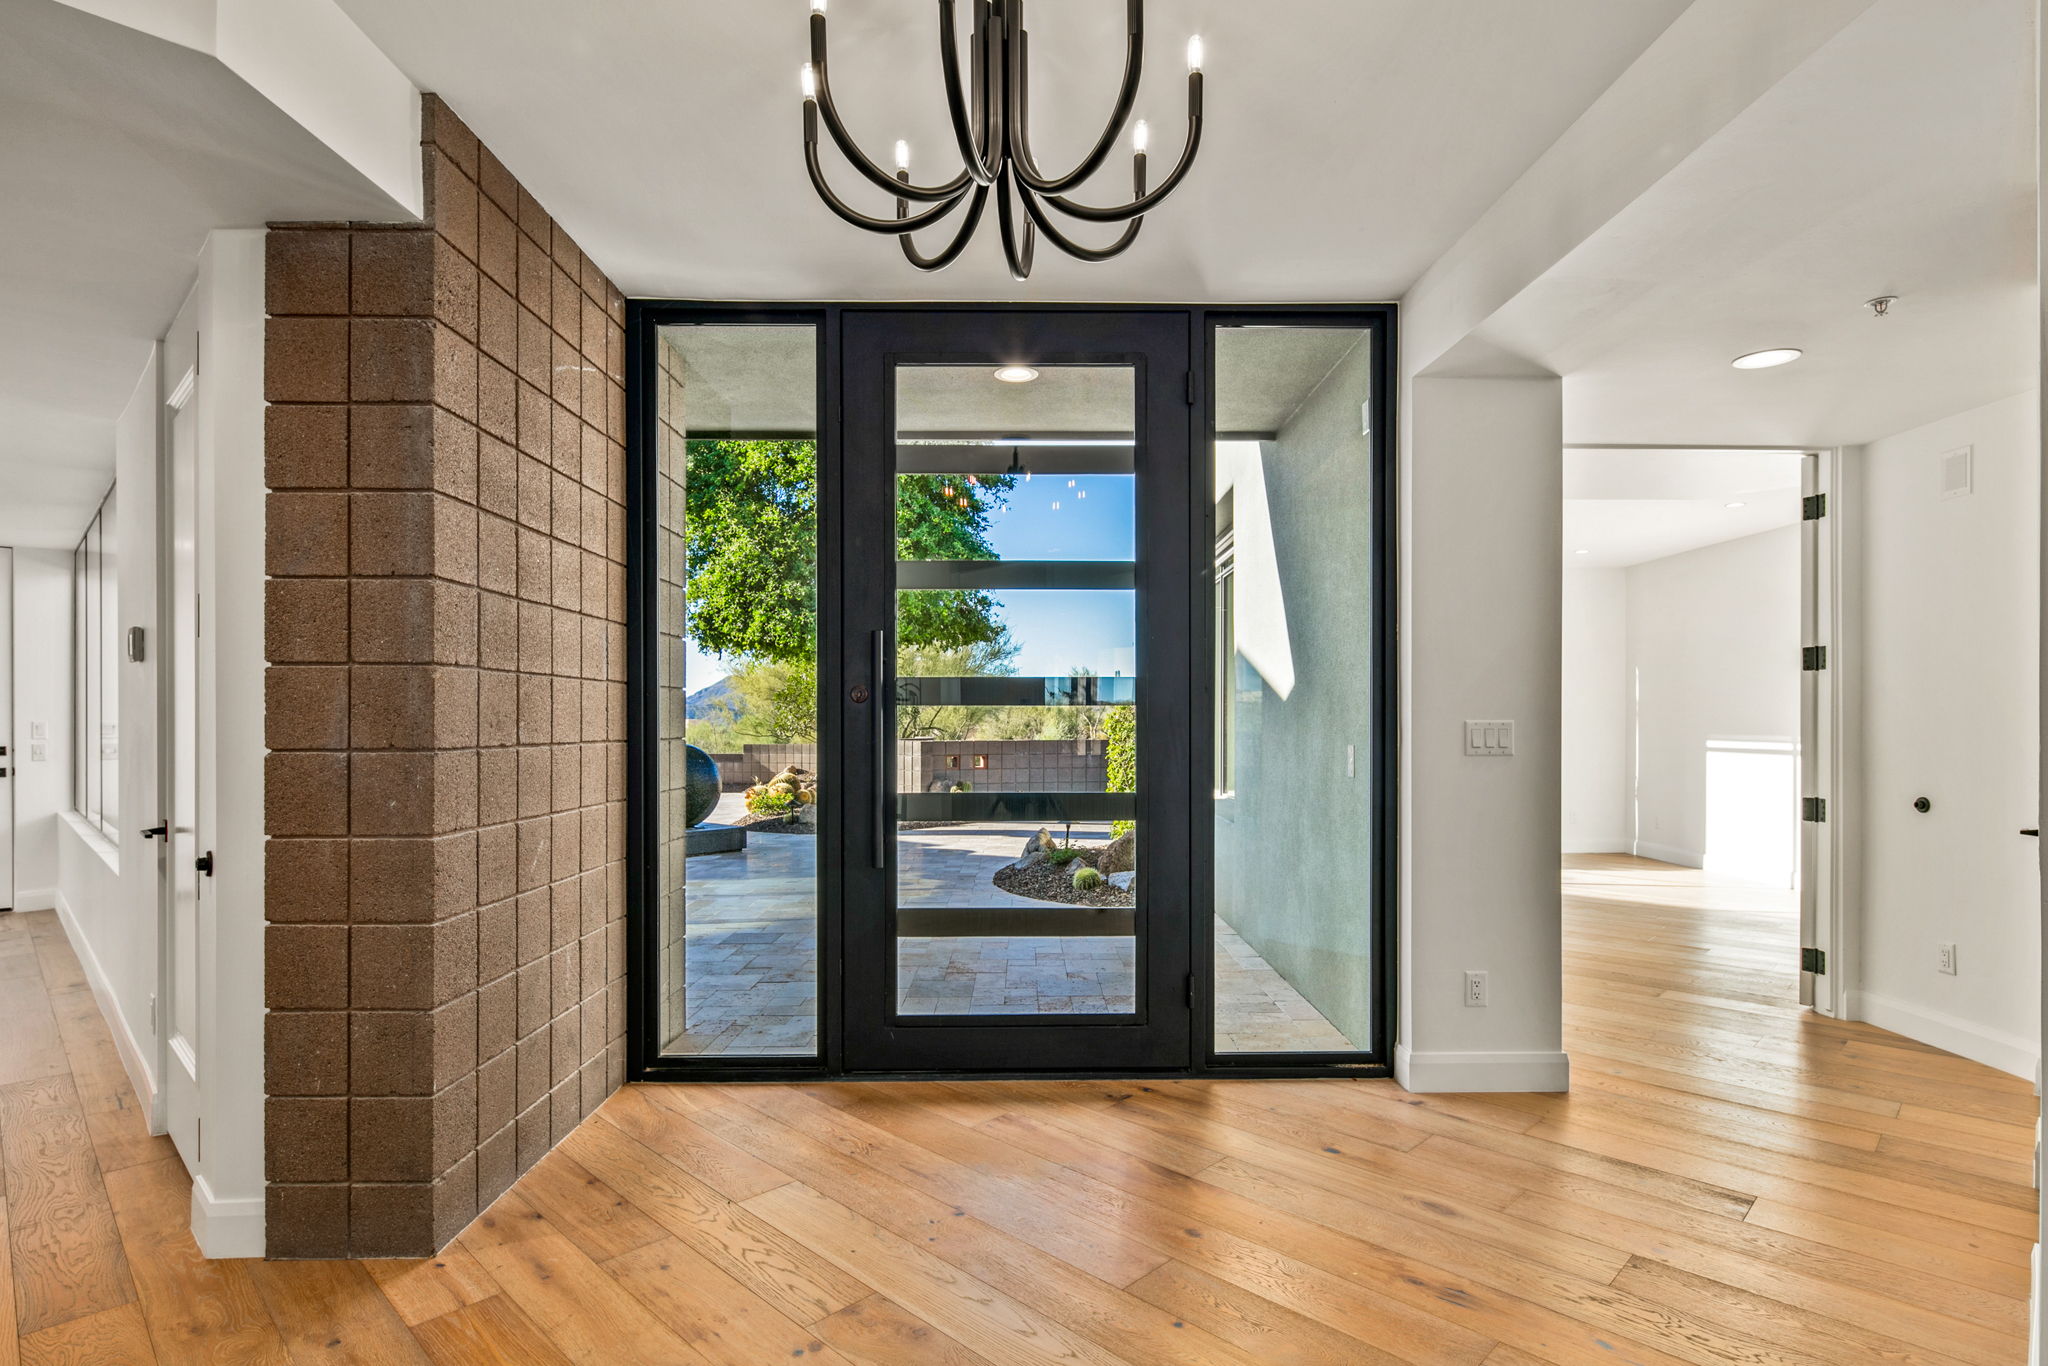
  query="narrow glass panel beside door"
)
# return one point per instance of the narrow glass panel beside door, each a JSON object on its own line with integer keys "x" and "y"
{"x": 1016, "y": 696}
{"x": 736, "y": 864}
{"x": 1293, "y": 682}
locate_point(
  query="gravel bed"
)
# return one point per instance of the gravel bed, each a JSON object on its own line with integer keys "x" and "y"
{"x": 1055, "y": 882}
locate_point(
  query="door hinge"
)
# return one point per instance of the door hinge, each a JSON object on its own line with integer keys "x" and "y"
{"x": 1191, "y": 388}
{"x": 1813, "y": 809}
{"x": 1813, "y": 658}
{"x": 1813, "y": 960}
{"x": 1191, "y": 988}
{"x": 1813, "y": 507}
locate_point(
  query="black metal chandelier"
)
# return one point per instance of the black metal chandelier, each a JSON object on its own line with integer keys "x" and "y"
{"x": 990, "y": 119}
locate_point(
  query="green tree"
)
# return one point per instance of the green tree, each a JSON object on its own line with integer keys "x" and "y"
{"x": 751, "y": 538}
{"x": 984, "y": 658}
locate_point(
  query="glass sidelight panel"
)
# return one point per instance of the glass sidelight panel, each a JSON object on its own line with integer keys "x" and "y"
{"x": 1016, "y": 699}
{"x": 1293, "y": 680}
{"x": 735, "y": 442}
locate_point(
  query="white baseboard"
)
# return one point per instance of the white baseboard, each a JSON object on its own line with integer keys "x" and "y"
{"x": 1670, "y": 853}
{"x": 140, "y": 1075}
{"x": 1620, "y": 844}
{"x": 2006, "y": 1052}
{"x": 35, "y": 898}
{"x": 1472, "y": 1072}
{"x": 226, "y": 1228}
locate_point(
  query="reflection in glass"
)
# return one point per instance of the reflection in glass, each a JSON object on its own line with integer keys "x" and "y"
{"x": 1016, "y": 630}
{"x": 737, "y": 869}
{"x": 1293, "y": 673}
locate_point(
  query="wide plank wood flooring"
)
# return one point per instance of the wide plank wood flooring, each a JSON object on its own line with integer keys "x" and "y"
{"x": 1732, "y": 1180}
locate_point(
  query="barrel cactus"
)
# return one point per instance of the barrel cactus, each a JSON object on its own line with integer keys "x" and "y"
{"x": 1086, "y": 879}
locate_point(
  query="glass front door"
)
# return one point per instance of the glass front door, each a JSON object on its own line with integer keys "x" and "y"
{"x": 1017, "y": 598}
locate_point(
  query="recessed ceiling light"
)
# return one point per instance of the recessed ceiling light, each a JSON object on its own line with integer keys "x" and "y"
{"x": 1582, "y": 552}
{"x": 1017, "y": 374}
{"x": 1737, "y": 504}
{"x": 1764, "y": 360}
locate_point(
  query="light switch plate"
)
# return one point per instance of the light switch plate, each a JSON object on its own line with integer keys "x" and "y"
{"x": 1490, "y": 739}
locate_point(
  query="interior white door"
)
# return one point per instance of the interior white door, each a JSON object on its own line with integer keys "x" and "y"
{"x": 8, "y": 758}
{"x": 181, "y": 984}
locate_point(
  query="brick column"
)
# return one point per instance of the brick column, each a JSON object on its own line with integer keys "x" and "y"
{"x": 445, "y": 707}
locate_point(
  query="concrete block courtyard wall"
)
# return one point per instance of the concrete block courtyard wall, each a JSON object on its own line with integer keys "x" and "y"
{"x": 933, "y": 765}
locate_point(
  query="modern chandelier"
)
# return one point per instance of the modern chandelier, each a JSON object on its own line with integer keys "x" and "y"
{"x": 991, "y": 118}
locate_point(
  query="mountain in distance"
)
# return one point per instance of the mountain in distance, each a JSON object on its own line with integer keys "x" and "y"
{"x": 708, "y": 701}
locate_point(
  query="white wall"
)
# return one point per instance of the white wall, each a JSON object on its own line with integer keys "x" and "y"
{"x": 107, "y": 890}
{"x": 1951, "y": 711}
{"x": 224, "y": 317}
{"x": 1713, "y": 654}
{"x": 42, "y": 696}
{"x": 1482, "y": 486}
{"x": 1594, "y": 807}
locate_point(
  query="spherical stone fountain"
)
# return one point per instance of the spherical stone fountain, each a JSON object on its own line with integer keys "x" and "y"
{"x": 700, "y": 795}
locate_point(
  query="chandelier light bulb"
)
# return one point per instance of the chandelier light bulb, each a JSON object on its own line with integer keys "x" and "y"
{"x": 1141, "y": 137}
{"x": 902, "y": 155}
{"x": 1195, "y": 53}
{"x": 809, "y": 79}
{"x": 817, "y": 6}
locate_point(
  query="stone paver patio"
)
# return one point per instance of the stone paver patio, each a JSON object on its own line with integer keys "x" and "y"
{"x": 752, "y": 952}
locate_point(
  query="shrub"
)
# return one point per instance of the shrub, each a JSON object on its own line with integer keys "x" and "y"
{"x": 1120, "y": 729}
{"x": 1086, "y": 879}
{"x": 769, "y": 802}
{"x": 1063, "y": 855}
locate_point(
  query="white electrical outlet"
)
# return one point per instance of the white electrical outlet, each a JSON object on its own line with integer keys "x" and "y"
{"x": 1490, "y": 739}
{"x": 1475, "y": 988}
{"x": 1945, "y": 960}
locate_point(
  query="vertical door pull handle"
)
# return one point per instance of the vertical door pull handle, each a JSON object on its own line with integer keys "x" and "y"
{"x": 884, "y": 751}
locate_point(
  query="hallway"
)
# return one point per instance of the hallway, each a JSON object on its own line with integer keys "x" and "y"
{"x": 1732, "y": 1180}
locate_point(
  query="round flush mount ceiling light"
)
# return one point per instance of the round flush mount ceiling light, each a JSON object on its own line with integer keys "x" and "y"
{"x": 1764, "y": 360}
{"x": 1016, "y": 374}
{"x": 1582, "y": 552}
{"x": 1737, "y": 504}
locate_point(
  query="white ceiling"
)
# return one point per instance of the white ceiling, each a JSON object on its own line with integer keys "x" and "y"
{"x": 117, "y": 153}
{"x": 1625, "y": 507}
{"x": 666, "y": 134}
{"x": 1897, "y": 160}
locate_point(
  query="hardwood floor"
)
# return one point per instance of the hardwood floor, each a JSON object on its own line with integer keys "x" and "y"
{"x": 1731, "y": 1181}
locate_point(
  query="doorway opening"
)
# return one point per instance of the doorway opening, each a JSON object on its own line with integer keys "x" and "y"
{"x": 1013, "y": 690}
{"x": 1685, "y": 708}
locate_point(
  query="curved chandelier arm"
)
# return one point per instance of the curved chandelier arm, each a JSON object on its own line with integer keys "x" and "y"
{"x": 849, "y": 148}
{"x": 964, "y": 131}
{"x": 1017, "y": 254}
{"x": 952, "y": 249}
{"x": 1020, "y": 78}
{"x": 1144, "y": 203}
{"x": 1075, "y": 249}
{"x": 891, "y": 226}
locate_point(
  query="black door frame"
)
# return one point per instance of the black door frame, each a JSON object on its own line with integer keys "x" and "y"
{"x": 644, "y": 318}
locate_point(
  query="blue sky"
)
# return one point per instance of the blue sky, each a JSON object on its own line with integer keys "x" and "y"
{"x": 1050, "y": 517}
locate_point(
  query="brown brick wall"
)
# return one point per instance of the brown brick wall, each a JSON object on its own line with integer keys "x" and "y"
{"x": 445, "y": 707}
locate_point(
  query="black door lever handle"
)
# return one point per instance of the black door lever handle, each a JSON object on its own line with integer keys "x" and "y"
{"x": 156, "y": 832}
